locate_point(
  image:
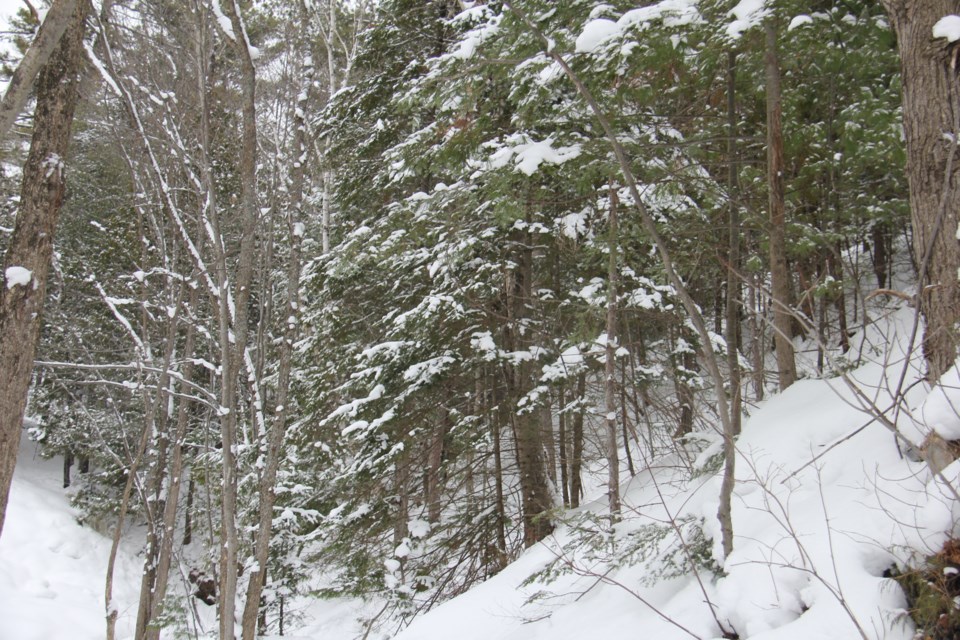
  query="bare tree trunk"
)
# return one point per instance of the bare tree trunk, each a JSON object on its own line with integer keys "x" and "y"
{"x": 67, "y": 463}
{"x": 27, "y": 260}
{"x": 931, "y": 123}
{"x": 109, "y": 605}
{"x": 733, "y": 250}
{"x": 562, "y": 437}
{"x": 278, "y": 428}
{"x": 434, "y": 461}
{"x": 757, "y": 341}
{"x": 165, "y": 554}
{"x": 155, "y": 409}
{"x": 624, "y": 422}
{"x": 188, "y": 511}
{"x": 535, "y": 496}
{"x": 779, "y": 274}
{"x": 234, "y": 334}
{"x": 609, "y": 377}
{"x": 549, "y": 441}
{"x": 496, "y": 426}
{"x": 576, "y": 457}
{"x": 732, "y": 428}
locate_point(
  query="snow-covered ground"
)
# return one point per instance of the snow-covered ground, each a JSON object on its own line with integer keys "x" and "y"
{"x": 812, "y": 541}
{"x": 52, "y": 569}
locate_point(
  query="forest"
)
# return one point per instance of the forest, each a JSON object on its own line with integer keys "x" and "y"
{"x": 397, "y": 307}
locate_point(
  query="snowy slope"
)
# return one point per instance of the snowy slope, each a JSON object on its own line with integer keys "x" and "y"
{"x": 52, "y": 569}
{"x": 811, "y": 546}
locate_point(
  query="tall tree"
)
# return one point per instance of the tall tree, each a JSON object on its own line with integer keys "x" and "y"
{"x": 779, "y": 274}
{"x": 27, "y": 260}
{"x": 931, "y": 122}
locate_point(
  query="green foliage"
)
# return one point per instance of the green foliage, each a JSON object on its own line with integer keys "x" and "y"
{"x": 662, "y": 553}
{"x": 932, "y": 591}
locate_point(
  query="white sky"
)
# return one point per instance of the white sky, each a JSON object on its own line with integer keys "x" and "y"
{"x": 8, "y": 8}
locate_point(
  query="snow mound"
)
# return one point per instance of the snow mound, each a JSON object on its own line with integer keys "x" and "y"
{"x": 941, "y": 410}
{"x": 947, "y": 27}
{"x": 17, "y": 276}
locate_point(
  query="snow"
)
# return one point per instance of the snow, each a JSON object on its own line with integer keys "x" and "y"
{"x": 52, "y": 568}
{"x": 223, "y": 21}
{"x": 17, "y": 276}
{"x": 595, "y": 33}
{"x": 475, "y": 38}
{"x": 799, "y": 21}
{"x": 947, "y": 27}
{"x": 941, "y": 409}
{"x": 52, "y": 571}
{"x": 601, "y": 31}
{"x": 812, "y": 541}
{"x": 747, "y": 14}
{"x": 527, "y": 155}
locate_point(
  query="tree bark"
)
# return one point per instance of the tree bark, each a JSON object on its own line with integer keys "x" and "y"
{"x": 278, "y": 428}
{"x": 732, "y": 428}
{"x": 27, "y": 260}
{"x": 779, "y": 274}
{"x": 236, "y": 335}
{"x": 562, "y": 438}
{"x": 576, "y": 454}
{"x": 58, "y": 18}
{"x": 609, "y": 377}
{"x": 165, "y": 553}
{"x": 535, "y": 495}
{"x": 931, "y": 123}
{"x": 732, "y": 335}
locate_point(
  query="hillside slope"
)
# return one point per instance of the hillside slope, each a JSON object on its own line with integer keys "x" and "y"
{"x": 52, "y": 569}
{"x": 812, "y": 543}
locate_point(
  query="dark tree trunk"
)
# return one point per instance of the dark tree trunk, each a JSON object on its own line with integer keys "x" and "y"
{"x": 609, "y": 373}
{"x": 28, "y": 255}
{"x": 779, "y": 273}
{"x": 881, "y": 252}
{"x": 534, "y": 492}
{"x": 576, "y": 456}
{"x": 562, "y": 437}
{"x": 930, "y": 117}
{"x": 67, "y": 463}
{"x": 188, "y": 515}
{"x": 734, "y": 298}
